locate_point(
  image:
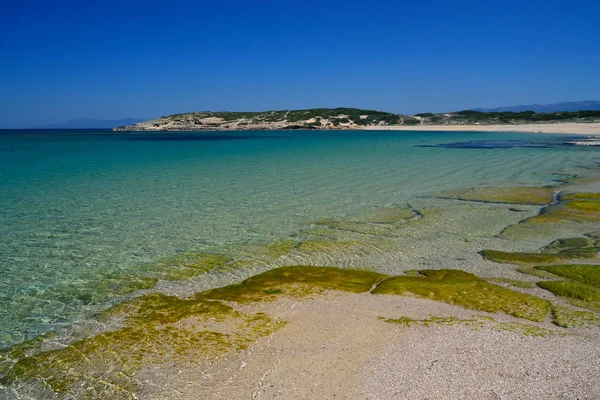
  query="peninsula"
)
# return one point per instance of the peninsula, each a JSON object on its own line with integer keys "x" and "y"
{"x": 353, "y": 118}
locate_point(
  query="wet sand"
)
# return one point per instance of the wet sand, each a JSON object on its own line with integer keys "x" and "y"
{"x": 337, "y": 346}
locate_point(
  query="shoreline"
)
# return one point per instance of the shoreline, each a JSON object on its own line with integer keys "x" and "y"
{"x": 574, "y": 128}
{"x": 558, "y": 128}
{"x": 280, "y": 339}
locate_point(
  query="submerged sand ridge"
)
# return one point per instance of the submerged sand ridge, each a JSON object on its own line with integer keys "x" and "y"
{"x": 317, "y": 332}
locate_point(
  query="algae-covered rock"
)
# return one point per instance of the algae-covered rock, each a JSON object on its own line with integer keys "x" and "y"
{"x": 376, "y": 221}
{"x": 525, "y": 329}
{"x": 572, "y": 290}
{"x": 277, "y": 249}
{"x": 327, "y": 245}
{"x": 536, "y": 272}
{"x": 568, "y": 318}
{"x": 295, "y": 281}
{"x": 433, "y": 320}
{"x": 512, "y": 282}
{"x": 183, "y": 266}
{"x": 573, "y": 212}
{"x": 568, "y": 243}
{"x": 520, "y": 258}
{"x": 467, "y": 290}
{"x": 509, "y": 195}
{"x": 576, "y": 207}
{"x": 386, "y": 215}
{"x": 99, "y": 289}
{"x": 157, "y": 330}
{"x": 582, "y": 273}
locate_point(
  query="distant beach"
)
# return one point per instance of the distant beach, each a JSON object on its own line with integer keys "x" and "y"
{"x": 570, "y": 127}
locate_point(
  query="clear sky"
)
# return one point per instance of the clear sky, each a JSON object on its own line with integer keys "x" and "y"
{"x": 108, "y": 59}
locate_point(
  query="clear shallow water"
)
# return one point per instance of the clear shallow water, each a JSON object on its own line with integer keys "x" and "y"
{"x": 75, "y": 206}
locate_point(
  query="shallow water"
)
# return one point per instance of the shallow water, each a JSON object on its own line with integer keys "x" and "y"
{"x": 76, "y": 206}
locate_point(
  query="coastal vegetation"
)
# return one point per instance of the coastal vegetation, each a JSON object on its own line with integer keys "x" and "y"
{"x": 480, "y": 117}
{"x": 344, "y": 118}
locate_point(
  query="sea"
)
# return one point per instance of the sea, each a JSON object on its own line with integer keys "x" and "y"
{"x": 90, "y": 210}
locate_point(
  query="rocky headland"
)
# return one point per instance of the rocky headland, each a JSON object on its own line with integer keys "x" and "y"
{"x": 353, "y": 118}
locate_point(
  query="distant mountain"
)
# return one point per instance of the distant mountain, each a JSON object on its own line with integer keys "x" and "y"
{"x": 548, "y": 108}
{"x": 93, "y": 123}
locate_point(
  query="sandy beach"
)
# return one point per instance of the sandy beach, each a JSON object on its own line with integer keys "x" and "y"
{"x": 566, "y": 128}
{"x": 338, "y": 346}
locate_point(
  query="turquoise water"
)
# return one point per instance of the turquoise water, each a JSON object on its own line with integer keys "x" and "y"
{"x": 76, "y": 207}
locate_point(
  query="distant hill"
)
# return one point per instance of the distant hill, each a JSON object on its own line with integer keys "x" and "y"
{"x": 548, "y": 108}
{"x": 315, "y": 118}
{"x": 92, "y": 123}
{"x": 345, "y": 118}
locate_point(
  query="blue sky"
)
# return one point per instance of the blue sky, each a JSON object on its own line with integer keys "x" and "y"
{"x": 62, "y": 60}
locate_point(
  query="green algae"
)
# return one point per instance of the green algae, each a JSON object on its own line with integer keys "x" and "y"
{"x": 590, "y": 305}
{"x": 295, "y": 281}
{"x": 103, "y": 288}
{"x": 326, "y": 246}
{"x": 573, "y": 290}
{"x": 583, "y": 196}
{"x": 447, "y": 321}
{"x": 582, "y": 273}
{"x": 413, "y": 272}
{"x": 536, "y": 272}
{"x": 582, "y": 250}
{"x": 377, "y": 221}
{"x": 9, "y": 356}
{"x": 512, "y": 282}
{"x": 520, "y": 258}
{"x": 574, "y": 208}
{"x": 323, "y": 231}
{"x": 577, "y": 207}
{"x": 466, "y": 290}
{"x": 277, "y": 249}
{"x": 568, "y": 318}
{"x": 158, "y": 330}
{"x": 525, "y": 329}
{"x": 184, "y": 266}
{"x": 356, "y": 227}
{"x": 475, "y": 322}
{"x": 158, "y": 308}
{"x": 387, "y": 215}
{"x": 568, "y": 244}
{"x": 509, "y": 195}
